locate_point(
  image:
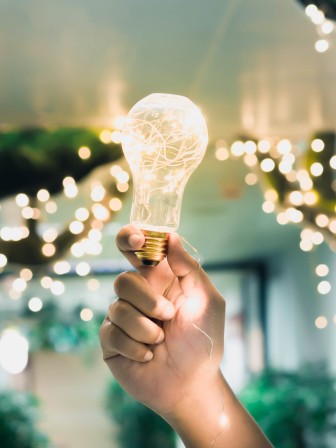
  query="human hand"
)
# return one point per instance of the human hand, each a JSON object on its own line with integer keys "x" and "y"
{"x": 164, "y": 335}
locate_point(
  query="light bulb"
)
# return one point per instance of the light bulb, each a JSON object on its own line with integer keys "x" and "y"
{"x": 164, "y": 140}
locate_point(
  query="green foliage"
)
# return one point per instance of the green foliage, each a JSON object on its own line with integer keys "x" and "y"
{"x": 294, "y": 409}
{"x": 138, "y": 426}
{"x": 18, "y": 419}
{"x": 31, "y": 159}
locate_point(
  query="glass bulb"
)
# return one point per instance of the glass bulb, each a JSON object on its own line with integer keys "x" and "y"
{"x": 164, "y": 140}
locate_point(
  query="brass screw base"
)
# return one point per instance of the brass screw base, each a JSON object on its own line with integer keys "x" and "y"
{"x": 155, "y": 248}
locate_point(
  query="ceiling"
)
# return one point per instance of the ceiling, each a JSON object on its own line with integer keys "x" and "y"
{"x": 250, "y": 66}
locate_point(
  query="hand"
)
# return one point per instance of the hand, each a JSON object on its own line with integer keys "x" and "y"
{"x": 164, "y": 335}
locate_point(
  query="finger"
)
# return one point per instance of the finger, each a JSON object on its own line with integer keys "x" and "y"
{"x": 137, "y": 326}
{"x": 128, "y": 240}
{"x": 115, "y": 342}
{"x": 134, "y": 289}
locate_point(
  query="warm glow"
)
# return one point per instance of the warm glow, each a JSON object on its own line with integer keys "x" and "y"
{"x": 82, "y": 214}
{"x": 119, "y": 122}
{"x": 317, "y": 238}
{"x": 284, "y": 146}
{"x": 48, "y": 249}
{"x": 115, "y": 170}
{"x": 310, "y": 198}
{"x": 27, "y": 213}
{"x": 13, "y": 351}
{"x": 100, "y": 212}
{"x": 322, "y": 270}
{"x": 105, "y": 136}
{"x": 321, "y": 322}
{"x": 317, "y": 17}
{"x": 50, "y": 235}
{"x": 222, "y": 154}
{"x": 76, "y": 227}
{"x": 71, "y": 191}
{"x": 83, "y": 268}
{"x": 271, "y": 195}
{"x": 296, "y": 198}
{"x": 294, "y": 215}
{"x": 251, "y": 179}
{"x": 26, "y": 274}
{"x": 43, "y": 195}
{"x": 282, "y": 219}
{"x": 317, "y": 145}
{"x": 267, "y": 165}
{"x": 57, "y": 288}
{"x": 93, "y": 284}
{"x": 77, "y": 250}
{"x": 237, "y": 148}
{"x": 332, "y": 226}
{"x": 98, "y": 192}
{"x": 268, "y": 207}
{"x": 95, "y": 235}
{"x": 327, "y": 27}
{"x": 35, "y": 304}
{"x": 332, "y": 162}
{"x": 311, "y": 10}
{"x": 324, "y": 287}
{"x": 116, "y": 137}
{"x": 19, "y": 285}
{"x": 264, "y": 146}
{"x": 316, "y": 169}
{"x": 322, "y": 220}
{"x": 62, "y": 267}
{"x": 250, "y": 160}
{"x": 46, "y": 282}
{"x": 68, "y": 181}
{"x": 122, "y": 177}
{"x": 321, "y": 46}
{"x": 122, "y": 187}
{"x": 84, "y": 152}
{"x": 250, "y": 147}
{"x": 306, "y": 245}
{"x": 22, "y": 200}
{"x": 115, "y": 204}
{"x": 86, "y": 314}
{"x": 3, "y": 260}
{"x": 51, "y": 207}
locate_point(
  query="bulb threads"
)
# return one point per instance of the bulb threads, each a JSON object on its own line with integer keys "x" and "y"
{"x": 155, "y": 248}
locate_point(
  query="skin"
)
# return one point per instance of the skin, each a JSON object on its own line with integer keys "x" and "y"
{"x": 162, "y": 339}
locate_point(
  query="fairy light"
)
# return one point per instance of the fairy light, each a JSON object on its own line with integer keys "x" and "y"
{"x": 100, "y": 212}
{"x": 26, "y": 274}
{"x": 115, "y": 170}
{"x": 306, "y": 245}
{"x": 322, "y": 220}
{"x": 105, "y": 136}
{"x": 250, "y": 147}
{"x": 316, "y": 169}
{"x": 84, "y": 152}
{"x": 222, "y": 154}
{"x": 14, "y": 349}
{"x": 282, "y": 219}
{"x": 48, "y": 249}
{"x": 83, "y": 269}
{"x": 296, "y": 198}
{"x": 311, "y": 10}
{"x": 22, "y": 200}
{"x": 57, "y": 288}
{"x": 93, "y": 284}
{"x": 317, "y": 145}
{"x": 46, "y": 282}
{"x": 317, "y": 17}
{"x": 71, "y": 190}
{"x": 122, "y": 177}
{"x": 327, "y": 27}
{"x": 115, "y": 204}
{"x": 27, "y": 213}
{"x": 50, "y": 235}
{"x": 250, "y": 160}
{"x": 43, "y": 195}
{"x": 86, "y": 314}
{"x": 332, "y": 162}
{"x": 76, "y": 227}
{"x": 51, "y": 207}
{"x": 61, "y": 267}
{"x": 332, "y": 226}
{"x": 82, "y": 214}
{"x": 116, "y": 137}
{"x": 268, "y": 207}
{"x": 19, "y": 285}
{"x": 310, "y": 198}
{"x": 237, "y": 148}
{"x": 77, "y": 250}
{"x": 322, "y": 270}
{"x": 98, "y": 193}
{"x": 251, "y": 179}
{"x": 264, "y": 146}
{"x": 321, "y": 45}
{"x": 122, "y": 187}
{"x": 35, "y": 304}
{"x": 324, "y": 287}
{"x": 284, "y": 146}
{"x": 267, "y": 165}
{"x": 321, "y": 322}
{"x": 317, "y": 238}
{"x": 3, "y": 260}
{"x": 95, "y": 235}
{"x": 271, "y": 195}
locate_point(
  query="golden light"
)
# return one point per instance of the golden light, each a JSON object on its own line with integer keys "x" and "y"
{"x": 76, "y": 227}
{"x": 116, "y": 137}
{"x": 15, "y": 295}
{"x": 296, "y": 198}
{"x": 48, "y": 249}
{"x": 311, "y": 10}
{"x": 316, "y": 169}
{"x": 93, "y": 284}
{"x": 95, "y": 235}
{"x": 51, "y": 207}
{"x": 119, "y": 122}
{"x": 251, "y": 179}
{"x": 83, "y": 268}
{"x": 19, "y": 285}
{"x": 13, "y": 351}
{"x": 284, "y": 146}
{"x": 321, "y": 45}
{"x": 294, "y": 215}
{"x": 317, "y": 17}
{"x": 317, "y": 238}
{"x": 324, "y": 287}
{"x": 57, "y": 288}
{"x": 322, "y": 220}
{"x": 3, "y": 260}
{"x": 86, "y": 314}
{"x": 100, "y": 212}
{"x": 115, "y": 170}
{"x": 105, "y": 136}
{"x": 306, "y": 245}
{"x": 68, "y": 181}
{"x": 310, "y": 198}
{"x": 84, "y": 152}
{"x": 71, "y": 191}
{"x": 327, "y": 27}
{"x": 237, "y": 148}
{"x": 222, "y": 154}
{"x": 35, "y": 304}
{"x": 332, "y": 162}
{"x": 115, "y": 204}
{"x": 250, "y": 160}
{"x": 264, "y": 146}
{"x": 46, "y": 282}
{"x": 317, "y": 145}
{"x": 62, "y": 267}
{"x": 271, "y": 195}
{"x": 332, "y": 226}
{"x": 77, "y": 250}
{"x": 268, "y": 207}
{"x": 22, "y": 200}
{"x": 322, "y": 270}
{"x": 27, "y": 213}
{"x": 282, "y": 219}
{"x": 122, "y": 187}
{"x": 82, "y": 214}
{"x": 50, "y": 235}
{"x": 250, "y": 147}
{"x": 98, "y": 192}
{"x": 26, "y": 274}
{"x": 267, "y": 165}
{"x": 321, "y": 322}
{"x": 122, "y": 177}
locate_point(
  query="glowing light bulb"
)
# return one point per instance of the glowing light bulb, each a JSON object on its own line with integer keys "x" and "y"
{"x": 164, "y": 140}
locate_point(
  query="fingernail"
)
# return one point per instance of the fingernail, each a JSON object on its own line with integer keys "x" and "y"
{"x": 168, "y": 311}
{"x": 148, "y": 356}
{"x": 134, "y": 240}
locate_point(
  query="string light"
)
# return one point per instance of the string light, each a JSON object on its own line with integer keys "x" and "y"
{"x": 86, "y": 314}
{"x": 317, "y": 145}
{"x": 46, "y": 282}
{"x": 50, "y": 235}
{"x": 51, "y": 207}
{"x": 115, "y": 204}
{"x": 22, "y": 200}
{"x": 57, "y": 288}
{"x": 322, "y": 270}
{"x": 84, "y": 152}
{"x": 43, "y": 195}
{"x": 93, "y": 284}
{"x": 116, "y": 137}
{"x": 3, "y": 260}
{"x": 324, "y": 287}
{"x": 251, "y": 179}
{"x": 82, "y": 214}
{"x": 48, "y": 249}
{"x": 76, "y": 227}
{"x": 61, "y": 267}
{"x": 267, "y": 165}
{"x": 26, "y": 274}
{"x": 35, "y": 304}
{"x": 105, "y": 136}
{"x": 321, "y": 322}
{"x": 83, "y": 269}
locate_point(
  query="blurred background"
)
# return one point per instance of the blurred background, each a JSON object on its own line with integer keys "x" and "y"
{"x": 260, "y": 210}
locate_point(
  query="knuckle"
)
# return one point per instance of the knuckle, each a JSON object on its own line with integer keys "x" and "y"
{"x": 122, "y": 282}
